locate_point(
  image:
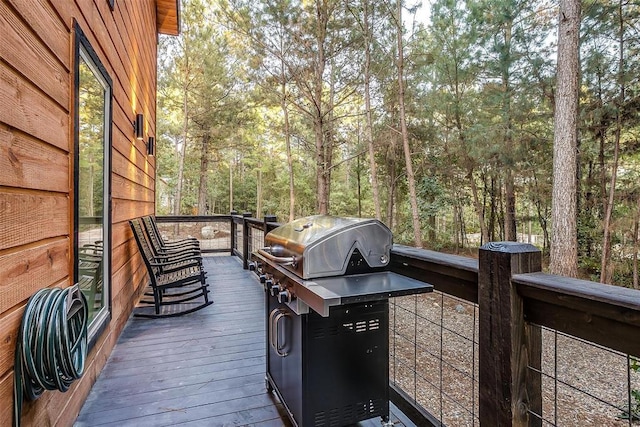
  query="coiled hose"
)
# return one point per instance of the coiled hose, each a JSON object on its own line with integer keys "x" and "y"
{"x": 52, "y": 344}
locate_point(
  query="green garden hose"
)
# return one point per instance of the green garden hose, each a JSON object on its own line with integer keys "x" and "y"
{"x": 52, "y": 344}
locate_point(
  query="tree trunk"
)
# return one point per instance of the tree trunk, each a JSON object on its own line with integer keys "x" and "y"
{"x": 500, "y": 211}
{"x": 287, "y": 138}
{"x": 359, "y": 184}
{"x": 601, "y": 137}
{"x": 485, "y": 194}
{"x": 322, "y": 191}
{"x": 456, "y": 235}
{"x": 292, "y": 192}
{"x": 509, "y": 190}
{"x": 477, "y": 204}
{"x": 391, "y": 164}
{"x": 493, "y": 208}
{"x": 564, "y": 242}
{"x": 367, "y": 101}
{"x": 463, "y": 227}
{"x": 177, "y": 203}
{"x": 259, "y": 213}
{"x": 204, "y": 168}
{"x": 231, "y": 185}
{"x": 636, "y": 226}
{"x": 542, "y": 215}
{"x": 417, "y": 229}
{"x": 431, "y": 232}
{"x": 329, "y": 134}
{"x": 510, "y": 232}
{"x": 587, "y": 211}
{"x": 90, "y": 194}
{"x": 322, "y": 166}
{"x": 606, "y": 267}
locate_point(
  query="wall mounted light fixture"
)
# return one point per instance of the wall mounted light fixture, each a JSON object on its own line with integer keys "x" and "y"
{"x": 151, "y": 146}
{"x": 138, "y": 127}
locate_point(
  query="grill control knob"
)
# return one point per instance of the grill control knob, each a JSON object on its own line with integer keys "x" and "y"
{"x": 284, "y": 296}
{"x": 268, "y": 283}
{"x": 263, "y": 278}
{"x": 275, "y": 289}
{"x": 253, "y": 266}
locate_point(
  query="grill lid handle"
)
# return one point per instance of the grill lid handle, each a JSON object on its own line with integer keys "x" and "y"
{"x": 265, "y": 252}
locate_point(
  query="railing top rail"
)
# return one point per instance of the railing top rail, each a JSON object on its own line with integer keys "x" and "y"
{"x": 255, "y": 221}
{"x": 452, "y": 274}
{"x": 193, "y": 218}
{"x": 537, "y": 284}
{"x": 604, "y": 314}
{"x": 425, "y": 255}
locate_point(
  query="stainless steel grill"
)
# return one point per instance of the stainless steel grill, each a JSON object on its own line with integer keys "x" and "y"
{"x": 322, "y": 245}
{"x": 327, "y": 311}
{"x": 323, "y": 261}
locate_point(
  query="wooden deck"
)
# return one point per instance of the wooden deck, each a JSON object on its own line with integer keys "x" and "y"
{"x": 202, "y": 369}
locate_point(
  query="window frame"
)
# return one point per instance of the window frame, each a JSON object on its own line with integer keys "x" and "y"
{"x": 83, "y": 50}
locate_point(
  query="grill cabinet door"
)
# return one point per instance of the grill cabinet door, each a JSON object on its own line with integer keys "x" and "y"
{"x": 346, "y": 364}
{"x": 335, "y": 371}
{"x": 284, "y": 354}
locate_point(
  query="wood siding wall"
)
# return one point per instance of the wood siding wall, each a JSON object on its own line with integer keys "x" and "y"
{"x": 36, "y": 167}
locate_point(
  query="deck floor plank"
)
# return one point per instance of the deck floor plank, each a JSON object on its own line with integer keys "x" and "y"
{"x": 203, "y": 369}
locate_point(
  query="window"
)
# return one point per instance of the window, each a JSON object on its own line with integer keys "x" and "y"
{"x": 92, "y": 169}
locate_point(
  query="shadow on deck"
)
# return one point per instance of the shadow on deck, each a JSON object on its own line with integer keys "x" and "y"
{"x": 202, "y": 369}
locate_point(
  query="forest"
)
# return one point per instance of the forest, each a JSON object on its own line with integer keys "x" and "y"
{"x": 435, "y": 117}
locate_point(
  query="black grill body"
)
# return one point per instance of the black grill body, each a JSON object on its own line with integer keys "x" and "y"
{"x": 327, "y": 291}
{"x": 335, "y": 371}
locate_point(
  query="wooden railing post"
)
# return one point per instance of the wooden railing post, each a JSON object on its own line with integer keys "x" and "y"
{"x": 234, "y": 231}
{"x": 509, "y": 391}
{"x": 245, "y": 240}
{"x": 267, "y": 220}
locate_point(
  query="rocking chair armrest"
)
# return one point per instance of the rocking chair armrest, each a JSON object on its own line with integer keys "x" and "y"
{"x": 179, "y": 252}
{"x": 164, "y": 261}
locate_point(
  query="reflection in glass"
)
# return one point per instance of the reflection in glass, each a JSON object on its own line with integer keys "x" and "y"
{"x": 91, "y": 188}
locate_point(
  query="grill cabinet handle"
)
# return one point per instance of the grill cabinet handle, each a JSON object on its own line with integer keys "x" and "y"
{"x": 278, "y": 259}
{"x": 272, "y": 315}
{"x": 274, "y": 331}
{"x": 277, "y": 340}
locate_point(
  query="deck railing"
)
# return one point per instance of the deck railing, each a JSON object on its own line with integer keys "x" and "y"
{"x": 499, "y": 342}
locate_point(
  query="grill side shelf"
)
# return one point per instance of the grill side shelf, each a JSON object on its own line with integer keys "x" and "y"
{"x": 322, "y": 293}
{"x": 370, "y": 287}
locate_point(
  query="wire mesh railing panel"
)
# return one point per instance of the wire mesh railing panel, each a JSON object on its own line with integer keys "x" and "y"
{"x": 434, "y": 360}
{"x": 238, "y": 238}
{"x": 257, "y": 239}
{"x": 434, "y": 355}
{"x": 586, "y": 384}
{"x": 214, "y": 236}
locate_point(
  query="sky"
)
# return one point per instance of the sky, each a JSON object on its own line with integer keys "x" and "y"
{"x": 422, "y": 12}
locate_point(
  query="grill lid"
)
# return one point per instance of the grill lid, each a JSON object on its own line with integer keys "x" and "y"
{"x": 325, "y": 245}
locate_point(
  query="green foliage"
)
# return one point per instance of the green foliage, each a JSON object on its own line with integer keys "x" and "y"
{"x": 480, "y": 96}
{"x": 432, "y": 196}
{"x": 91, "y": 142}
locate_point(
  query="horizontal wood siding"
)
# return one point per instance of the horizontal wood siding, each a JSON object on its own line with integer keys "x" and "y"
{"x": 36, "y": 159}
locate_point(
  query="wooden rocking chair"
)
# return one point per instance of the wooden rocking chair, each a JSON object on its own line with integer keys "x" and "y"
{"x": 177, "y": 283}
